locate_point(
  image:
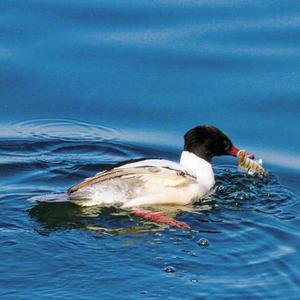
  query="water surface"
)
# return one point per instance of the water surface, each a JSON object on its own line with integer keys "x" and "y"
{"x": 85, "y": 85}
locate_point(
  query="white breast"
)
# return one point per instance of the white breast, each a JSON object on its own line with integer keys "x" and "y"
{"x": 200, "y": 167}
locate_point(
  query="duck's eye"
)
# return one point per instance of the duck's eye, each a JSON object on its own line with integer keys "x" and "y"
{"x": 227, "y": 145}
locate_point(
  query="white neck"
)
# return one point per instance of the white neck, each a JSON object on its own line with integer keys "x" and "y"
{"x": 200, "y": 167}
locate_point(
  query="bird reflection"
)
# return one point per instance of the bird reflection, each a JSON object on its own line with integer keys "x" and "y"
{"x": 53, "y": 216}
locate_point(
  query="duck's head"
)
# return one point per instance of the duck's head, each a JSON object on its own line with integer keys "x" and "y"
{"x": 207, "y": 141}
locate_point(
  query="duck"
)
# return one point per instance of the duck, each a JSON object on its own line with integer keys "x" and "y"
{"x": 140, "y": 184}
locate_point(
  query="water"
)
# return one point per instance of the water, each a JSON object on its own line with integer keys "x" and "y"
{"x": 86, "y": 84}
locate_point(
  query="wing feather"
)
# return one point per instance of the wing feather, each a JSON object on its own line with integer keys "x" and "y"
{"x": 158, "y": 176}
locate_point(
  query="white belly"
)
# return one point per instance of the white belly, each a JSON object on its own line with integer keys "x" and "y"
{"x": 120, "y": 193}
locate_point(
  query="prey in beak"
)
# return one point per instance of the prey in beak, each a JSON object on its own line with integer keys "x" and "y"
{"x": 233, "y": 151}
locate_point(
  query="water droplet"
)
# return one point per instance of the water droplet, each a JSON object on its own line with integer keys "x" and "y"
{"x": 221, "y": 189}
{"x": 157, "y": 241}
{"x": 170, "y": 269}
{"x": 240, "y": 196}
{"x": 203, "y": 242}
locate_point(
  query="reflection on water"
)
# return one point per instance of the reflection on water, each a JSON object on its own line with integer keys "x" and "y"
{"x": 54, "y": 212}
{"x": 65, "y": 215}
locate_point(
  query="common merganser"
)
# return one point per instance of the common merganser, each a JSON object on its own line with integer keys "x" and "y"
{"x": 151, "y": 182}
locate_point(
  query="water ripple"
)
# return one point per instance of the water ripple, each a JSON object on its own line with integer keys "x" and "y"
{"x": 59, "y": 129}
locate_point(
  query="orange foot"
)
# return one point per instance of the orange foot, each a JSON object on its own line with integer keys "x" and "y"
{"x": 158, "y": 217}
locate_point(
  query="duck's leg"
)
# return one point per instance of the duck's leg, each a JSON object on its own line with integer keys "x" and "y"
{"x": 158, "y": 217}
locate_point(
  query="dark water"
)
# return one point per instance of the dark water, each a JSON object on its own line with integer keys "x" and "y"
{"x": 86, "y": 84}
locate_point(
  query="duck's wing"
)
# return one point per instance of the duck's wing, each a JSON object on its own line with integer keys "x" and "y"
{"x": 163, "y": 176}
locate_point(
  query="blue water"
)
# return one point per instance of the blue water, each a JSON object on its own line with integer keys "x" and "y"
{"x": 86, "y": 84}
